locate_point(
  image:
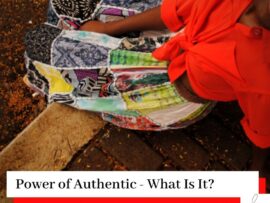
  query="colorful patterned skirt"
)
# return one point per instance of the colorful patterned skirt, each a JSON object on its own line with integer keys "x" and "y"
{"x": 117, "y": 77}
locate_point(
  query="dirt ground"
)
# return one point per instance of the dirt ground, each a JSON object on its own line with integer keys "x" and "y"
{"x": 17, "y": 107}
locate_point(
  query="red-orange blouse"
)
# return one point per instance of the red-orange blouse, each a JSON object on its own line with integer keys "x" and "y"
{"x": 224, "y": 59}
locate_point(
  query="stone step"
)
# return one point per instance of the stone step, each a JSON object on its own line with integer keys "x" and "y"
{"x": 185, "y": 153}
{"x": 127, "y": 148}
{"x": 224, "y": 144}
{"x": 50, "y": 141}
{"x": 91, "y": 159}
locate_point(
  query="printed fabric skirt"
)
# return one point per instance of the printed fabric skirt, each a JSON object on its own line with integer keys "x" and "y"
{"x": 117, "y": 77}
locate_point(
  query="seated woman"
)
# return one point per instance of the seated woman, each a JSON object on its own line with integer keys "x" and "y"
{"x": 221, "y": 55}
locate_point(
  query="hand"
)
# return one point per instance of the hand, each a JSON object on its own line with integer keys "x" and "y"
{"x": 95, "y": 26}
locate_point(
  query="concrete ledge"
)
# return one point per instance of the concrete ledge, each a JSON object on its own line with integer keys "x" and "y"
{"x": 50, "y": 141}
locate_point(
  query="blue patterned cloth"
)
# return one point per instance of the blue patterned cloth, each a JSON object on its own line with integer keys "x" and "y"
{"x": 72, "y": 53}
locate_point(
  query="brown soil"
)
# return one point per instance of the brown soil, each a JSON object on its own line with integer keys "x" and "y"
{"x": 17, "y": 107}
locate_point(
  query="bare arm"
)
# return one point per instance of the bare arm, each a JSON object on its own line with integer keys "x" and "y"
{"x": 148, "y": 20}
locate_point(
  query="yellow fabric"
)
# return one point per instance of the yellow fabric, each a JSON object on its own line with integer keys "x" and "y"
{"x": 56, "y": 81}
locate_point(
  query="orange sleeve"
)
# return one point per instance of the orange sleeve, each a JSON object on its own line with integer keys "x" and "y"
{"x": 175, "y": 13}
{"x": 256, "y": 121}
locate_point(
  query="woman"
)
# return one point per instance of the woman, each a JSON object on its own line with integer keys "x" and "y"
{"x": 222, "y": 55}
